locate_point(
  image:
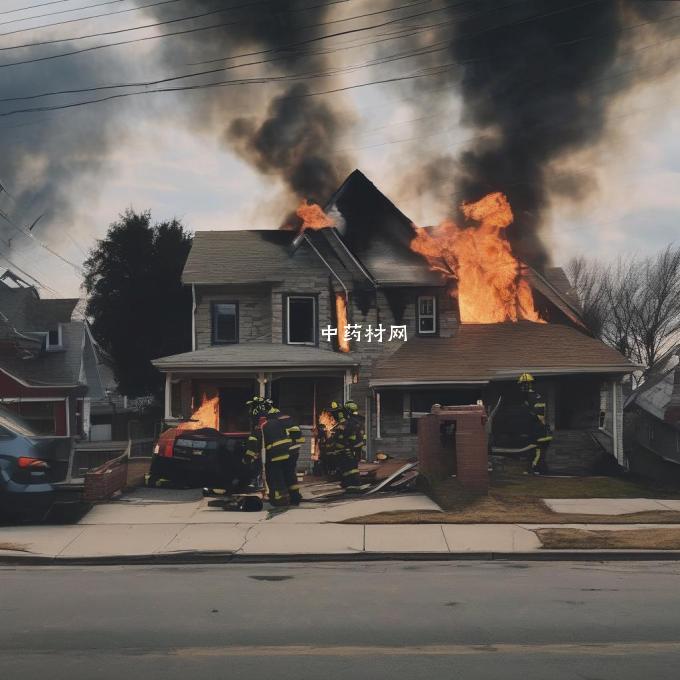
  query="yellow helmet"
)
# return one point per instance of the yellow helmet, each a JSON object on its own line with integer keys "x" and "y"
{"x": 525, "y": 379}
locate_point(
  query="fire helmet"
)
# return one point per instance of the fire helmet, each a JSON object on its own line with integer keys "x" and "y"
{"x": 336, "y": 410}
{"x": 257, "y": 405}
{"x": 351, "y": 408}
{"x": 525, "y": 380}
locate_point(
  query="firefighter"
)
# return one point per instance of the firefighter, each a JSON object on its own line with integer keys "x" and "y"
{"x": 267, "y": 430}
{"x": 541, "y": 435}
{"x": 355, "y": 433}
{"x": 293, "y": 431}
{"x": 341, "y": 447}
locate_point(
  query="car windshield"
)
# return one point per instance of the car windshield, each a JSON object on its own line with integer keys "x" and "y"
{"x": 16, "y": 424}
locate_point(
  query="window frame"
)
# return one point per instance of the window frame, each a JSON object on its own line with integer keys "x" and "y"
{"x": 213, "y": 322}
{"x": 434, "y": 316}
{"x": 315, "y": 321}
{"x": 49, "y": 347}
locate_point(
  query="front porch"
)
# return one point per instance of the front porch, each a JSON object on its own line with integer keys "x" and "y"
{"x": 212, "y": 385}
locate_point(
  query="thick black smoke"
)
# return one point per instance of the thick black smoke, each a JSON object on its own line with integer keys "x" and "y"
{"x": 537, "y": 79}
{"x": 276, "y": 128}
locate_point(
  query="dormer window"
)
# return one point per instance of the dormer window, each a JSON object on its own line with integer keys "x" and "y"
{"x": 427, "y": 314}
{"x": 54, "y": 339}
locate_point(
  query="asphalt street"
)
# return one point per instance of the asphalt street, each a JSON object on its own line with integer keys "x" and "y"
{"x": 357, "y": 620}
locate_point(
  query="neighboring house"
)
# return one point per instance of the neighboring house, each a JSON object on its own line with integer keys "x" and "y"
{"x": 51, "y": 370}
{"x": 652, "y": 421}
{"x": 262, "y": 299}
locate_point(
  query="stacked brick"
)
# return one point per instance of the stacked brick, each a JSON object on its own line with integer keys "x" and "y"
{"x": 102, "y": 482}
{"x": 453, "y": 440}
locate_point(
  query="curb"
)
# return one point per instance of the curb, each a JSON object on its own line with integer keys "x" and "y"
{"x": 203, "y": 557}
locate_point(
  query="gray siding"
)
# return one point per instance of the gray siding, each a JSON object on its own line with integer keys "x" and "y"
{"x": 254, "y": 309}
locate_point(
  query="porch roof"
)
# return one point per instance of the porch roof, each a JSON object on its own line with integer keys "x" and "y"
{"x": 484, "y": 352}
{"x": 255, "y": 356}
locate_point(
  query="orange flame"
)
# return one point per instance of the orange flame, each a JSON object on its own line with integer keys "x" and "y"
{"x": 327, "y": 420}
{"x": 206, "y": 415}
{"x": 491, "y": 283}
{"x": 341, "y": 312}
{"x": 313, "y": 217}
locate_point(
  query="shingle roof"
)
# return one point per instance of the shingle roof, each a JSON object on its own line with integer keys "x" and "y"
{"x": 379, "y": 234}
{"x": 481, "y": 352}
{"x": 255, "y": 355}
{"x": 27, "y": 312}
{"x": 52, "y": 368}
{"x": 237, "y": 256}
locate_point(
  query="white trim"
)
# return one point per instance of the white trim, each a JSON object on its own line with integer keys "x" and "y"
{"x": 332, "y": 271}
{"x": 408, "y": 383}
{"x": 16, "y": 400}
{"x": 364, "y": 271}
{"x": 38, "y": 387}
{"x": 67, "y": 409}
{"x": 378, "y": 415}
{"x": 193, "y": 317}
{"x": 314, "y": 319}
{"x": 168, "y": 395}
{"x": 60, "y": 343}
{"x": 615, "y": 424}
{"x": 432, "y": 316}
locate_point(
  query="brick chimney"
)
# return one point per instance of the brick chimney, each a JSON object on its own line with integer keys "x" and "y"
{"x": 672, "y": 413}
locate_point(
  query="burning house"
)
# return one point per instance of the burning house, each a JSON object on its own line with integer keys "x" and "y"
{"x": 469, "y": 318}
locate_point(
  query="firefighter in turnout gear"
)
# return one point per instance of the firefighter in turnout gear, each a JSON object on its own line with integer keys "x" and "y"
{"x": 355, "y": 433}
{"x": 341, "y": 448}
{"x": 269, "y": 431}
{"x": 292, "y": 429}
{"x": 536, "y": 404}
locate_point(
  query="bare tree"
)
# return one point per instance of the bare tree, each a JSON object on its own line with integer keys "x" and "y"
{"x": 634, "y": 304}
{"x": 657, "y": 310}
{"x": 588, "y": 279}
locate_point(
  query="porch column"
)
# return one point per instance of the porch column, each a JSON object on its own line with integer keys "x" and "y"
{"x": 617, "y": 415}
{"x": 348, "y": 382}
{"x": 263, "y": 384}
{"x": 168, "y": 395}
{"x": 378, "y": 415}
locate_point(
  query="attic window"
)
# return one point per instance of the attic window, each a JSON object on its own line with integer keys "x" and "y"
{"x": 427, "y": 314}
{"x": 301, "y": 320}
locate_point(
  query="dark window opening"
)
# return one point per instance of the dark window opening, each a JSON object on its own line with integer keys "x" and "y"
{"x": 233, "y": 412}
{"x": 427, "y": 315}
{"x": 301, "y": 320}
{"x": 53, "y": 338}
{"x": 225, "y": 322}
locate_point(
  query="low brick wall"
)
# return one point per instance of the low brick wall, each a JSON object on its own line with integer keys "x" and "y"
{"x": 453, "y": 441}
{"x": 102, "y": 482}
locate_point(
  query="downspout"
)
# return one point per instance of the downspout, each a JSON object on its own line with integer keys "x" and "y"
{"x": 193, "y": 317}
{"x": 615, "y": 424}
{"x": 332, "y": 271}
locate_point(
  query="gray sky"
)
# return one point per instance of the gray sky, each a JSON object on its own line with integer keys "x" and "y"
{"x": 148, "y": 152}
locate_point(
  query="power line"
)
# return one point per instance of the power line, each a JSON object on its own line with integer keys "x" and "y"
{"x": 92, "y": 16}
{"x": 34, "y": 238}
{"x": 42, "y": 4}
{"x": 61, "y": 11}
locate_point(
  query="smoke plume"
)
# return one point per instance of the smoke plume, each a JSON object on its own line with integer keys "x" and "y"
{"x": 279, "y": 130}
{"x": 536, "y": 81}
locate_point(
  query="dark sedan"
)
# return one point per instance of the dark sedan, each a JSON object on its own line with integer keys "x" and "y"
{"x": 29, "y": 468}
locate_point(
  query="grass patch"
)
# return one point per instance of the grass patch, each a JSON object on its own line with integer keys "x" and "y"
{"x": 518, "y": 499}
{"x": 633, "y": 539}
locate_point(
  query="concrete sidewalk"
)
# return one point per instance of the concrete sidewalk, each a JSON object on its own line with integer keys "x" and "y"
{"x": 181, "y": 526}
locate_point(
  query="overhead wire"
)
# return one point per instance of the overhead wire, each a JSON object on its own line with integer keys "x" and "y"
{"x": 42, "y": 4}
{"x": 62, "y": 11}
